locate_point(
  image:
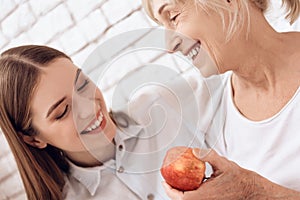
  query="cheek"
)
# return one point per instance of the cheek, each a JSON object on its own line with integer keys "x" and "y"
{"x": 64, "y": 135}
{"x": 202, "y": 27}
{"x": 191, "y": 28}
{"x": 69, "y": 130}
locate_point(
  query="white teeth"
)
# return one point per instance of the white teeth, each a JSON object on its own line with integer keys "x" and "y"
{"x": 96, "y": 124}
{"x": 193, "y": 53}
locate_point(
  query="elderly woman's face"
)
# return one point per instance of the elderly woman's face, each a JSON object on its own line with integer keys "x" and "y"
{"x": 195, "y": 29}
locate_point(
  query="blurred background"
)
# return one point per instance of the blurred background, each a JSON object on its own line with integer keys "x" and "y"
{"x": 77, "y": 27}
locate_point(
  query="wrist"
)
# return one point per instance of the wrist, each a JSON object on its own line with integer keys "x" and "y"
{"x": 253, "y": 187}
{"x": 257, "y": 189}
{"x": 261, "y": 188}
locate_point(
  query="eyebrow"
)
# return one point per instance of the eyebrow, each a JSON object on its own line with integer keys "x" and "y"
{"x": 62, "y": 99}
{"x": 55, "y": 106}
{"x": 77, "y": 75}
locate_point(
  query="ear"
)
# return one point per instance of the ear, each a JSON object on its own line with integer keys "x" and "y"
{"x": 33, "y": 141}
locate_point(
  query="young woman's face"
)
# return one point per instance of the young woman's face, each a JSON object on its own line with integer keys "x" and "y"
{"x": 69, "y": 111}
{"x": 193, "y": 28}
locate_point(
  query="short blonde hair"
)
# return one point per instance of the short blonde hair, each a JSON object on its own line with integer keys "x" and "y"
{"x": 293, "y": 9}
{"x": 236, "y": 19}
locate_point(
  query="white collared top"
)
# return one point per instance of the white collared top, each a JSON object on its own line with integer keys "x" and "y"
{"x": 98, "y": 182}
{"x": 155, "y": 124}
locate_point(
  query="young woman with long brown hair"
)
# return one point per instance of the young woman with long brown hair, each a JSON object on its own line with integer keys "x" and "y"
{"x": 65, "y": 143}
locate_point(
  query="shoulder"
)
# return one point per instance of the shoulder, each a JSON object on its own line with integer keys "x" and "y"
{"x": 168, "y": 97}
{"x": 189, "y": 94}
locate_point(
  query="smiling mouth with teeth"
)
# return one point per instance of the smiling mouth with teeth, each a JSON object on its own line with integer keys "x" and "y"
{"x": 96, "y": 125}
{"x": 194, "y": 51}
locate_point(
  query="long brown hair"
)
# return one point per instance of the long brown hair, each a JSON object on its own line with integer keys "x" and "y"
{"x": 42, "y": 170}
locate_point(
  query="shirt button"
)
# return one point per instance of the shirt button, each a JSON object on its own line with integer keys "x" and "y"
{"x": 150, "y": 197}
{"x": 121, "y": 169}
{"x": 120, "y": 147}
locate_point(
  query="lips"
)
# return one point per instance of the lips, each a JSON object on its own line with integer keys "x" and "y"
{"x": 96, "y": 125}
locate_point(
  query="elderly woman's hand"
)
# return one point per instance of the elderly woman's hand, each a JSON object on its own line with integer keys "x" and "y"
{"x": 229, "y": 181}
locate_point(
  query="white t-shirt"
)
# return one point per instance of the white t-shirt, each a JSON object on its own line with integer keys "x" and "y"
{"x": 269, "y": 147}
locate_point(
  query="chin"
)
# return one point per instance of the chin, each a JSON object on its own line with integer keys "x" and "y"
{"x": 206, "y": 65}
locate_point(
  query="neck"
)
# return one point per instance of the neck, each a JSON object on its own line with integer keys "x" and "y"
{"x": 83, "y": 159}
{"x": 99, "y": 148}
{"x": 97, "y": 155}
{"x": 264, "y": 57}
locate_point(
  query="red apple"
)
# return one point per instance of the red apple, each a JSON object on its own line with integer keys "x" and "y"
{"x": 182, "y": 170}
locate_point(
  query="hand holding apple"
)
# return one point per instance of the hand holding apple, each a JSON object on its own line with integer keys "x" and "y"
{"x": 230, "y": 181}
{"x": 182, "y": 170}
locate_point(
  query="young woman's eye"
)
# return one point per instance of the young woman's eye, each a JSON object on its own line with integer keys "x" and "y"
{"x": 63, "y": 113}
{"x": 83, "y": 85}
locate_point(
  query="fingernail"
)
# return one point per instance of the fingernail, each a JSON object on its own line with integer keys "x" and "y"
{"x": 201, "y": 153}
{"x": 196, "y": 152}
{"x": 204, "y": 153}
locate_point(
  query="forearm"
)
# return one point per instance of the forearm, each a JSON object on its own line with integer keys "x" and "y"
{"x": 264, "y": 189}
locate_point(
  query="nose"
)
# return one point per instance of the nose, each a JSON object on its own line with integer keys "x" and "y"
{"x": 173, "y": 41}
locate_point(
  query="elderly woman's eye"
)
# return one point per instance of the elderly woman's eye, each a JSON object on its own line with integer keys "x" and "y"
{"x": 173, "y": 18}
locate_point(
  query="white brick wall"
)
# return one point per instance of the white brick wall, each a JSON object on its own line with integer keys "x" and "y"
{"x": 40, "y": 8}
{"x": 3, "y": 40}
{"x": 49, "y": 25}
{"x": 115, "y": 10}
{"x": 77, "y": 27}
{"x": 93, "y": 25}
{"x": 17, "y": 22}
{"x": 9, "y": 7}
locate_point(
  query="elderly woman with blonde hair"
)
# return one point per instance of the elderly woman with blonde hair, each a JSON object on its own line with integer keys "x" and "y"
{"x": 260, "y": 101}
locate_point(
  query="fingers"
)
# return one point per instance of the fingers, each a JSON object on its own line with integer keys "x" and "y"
{"x": 201, "y": 153}
{"x": 172, "y": 193}
{"x": 210, "y": 156}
